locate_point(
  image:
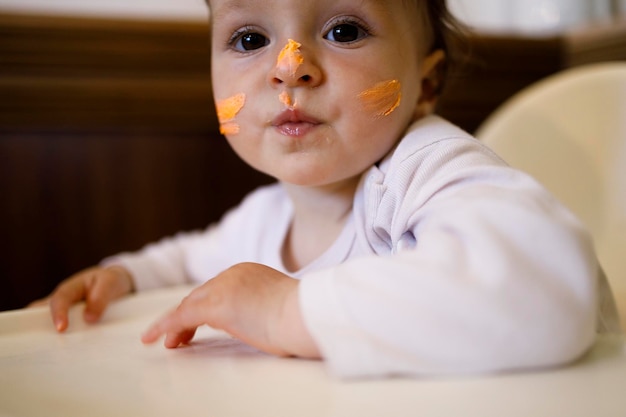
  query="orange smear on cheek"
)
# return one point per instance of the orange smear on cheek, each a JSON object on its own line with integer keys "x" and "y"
{"x": 382, "y": 99}
{"x": 227, "y": 109}
{"x": 230, "y": 128}
{"x": 290, "y": 58}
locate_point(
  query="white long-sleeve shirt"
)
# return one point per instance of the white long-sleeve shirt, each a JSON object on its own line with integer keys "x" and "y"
{"x": 451, "y": 263}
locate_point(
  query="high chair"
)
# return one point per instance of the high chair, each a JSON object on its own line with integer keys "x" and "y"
{"x": 569, "y": 132}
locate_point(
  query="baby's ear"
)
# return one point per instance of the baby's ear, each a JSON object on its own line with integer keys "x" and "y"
{"x": 432, "y": 80}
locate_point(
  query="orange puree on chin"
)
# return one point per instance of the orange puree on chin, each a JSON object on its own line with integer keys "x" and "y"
{"x": 227, "y": 109}
{"x": 383, "y": 98}
{"x": 290, "y": 58}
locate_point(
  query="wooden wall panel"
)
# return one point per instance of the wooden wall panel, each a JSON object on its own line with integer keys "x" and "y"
{"x": 108, "y": 141}
{"x": 86, "y": 74}
{"x": 68, "y": 200}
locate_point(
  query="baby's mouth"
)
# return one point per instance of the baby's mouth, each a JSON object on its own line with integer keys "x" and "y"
{"x": 294, "y": 123}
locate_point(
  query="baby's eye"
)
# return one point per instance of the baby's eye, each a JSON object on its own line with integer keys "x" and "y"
{"x": 249, "y": 41}
{"x": 346, "y": 33}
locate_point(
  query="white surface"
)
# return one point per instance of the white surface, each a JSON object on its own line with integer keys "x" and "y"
{"x": 498, "y": 15}
{"x": 569, "y": 132}
{"x": 104, "y": 370}
{"x": 529, "y": 16}
{"x": 150, "y": 9}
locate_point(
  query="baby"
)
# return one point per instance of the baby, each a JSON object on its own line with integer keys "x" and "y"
{"x": 393, "y": 242}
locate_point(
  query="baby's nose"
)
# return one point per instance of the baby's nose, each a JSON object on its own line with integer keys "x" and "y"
{"x": 293, "y": 69}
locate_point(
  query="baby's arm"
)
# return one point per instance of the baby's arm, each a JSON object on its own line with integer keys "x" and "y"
{"x": 97, "y": 286}
{"x": 252, "y": 302}
{"x": 157, "y": 265}
{"x": 190, "y": 257}
{"x": 480, "y": 270}
{"x": 489, "y": 287}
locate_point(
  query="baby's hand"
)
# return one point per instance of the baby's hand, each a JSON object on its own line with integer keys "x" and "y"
{"x": 97, "y": 286}
{"x": 252, "y": 302}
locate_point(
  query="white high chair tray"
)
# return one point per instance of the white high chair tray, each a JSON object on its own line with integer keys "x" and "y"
{"x": 104, "y": 370}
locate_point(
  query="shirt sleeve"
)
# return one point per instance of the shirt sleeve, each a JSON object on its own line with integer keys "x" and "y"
{"x": 195, "y": 257}
{"x": 169, "y": 261}
{"x": 484, "y": 273}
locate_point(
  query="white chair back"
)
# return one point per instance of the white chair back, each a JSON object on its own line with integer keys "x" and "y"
{"x": 569, "y": 132}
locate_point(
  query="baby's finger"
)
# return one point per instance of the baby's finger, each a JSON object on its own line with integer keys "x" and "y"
{"x": 179, "y": 326}
{"x": 100, "y": 294}
{"x": 173, "y": 340}
{"x": 154, "y": 332}
{"x": 62, "y": 299}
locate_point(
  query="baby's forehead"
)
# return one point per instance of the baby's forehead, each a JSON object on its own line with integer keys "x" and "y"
{"x": 234, "y": 4}
{"x": 415, "y": 10}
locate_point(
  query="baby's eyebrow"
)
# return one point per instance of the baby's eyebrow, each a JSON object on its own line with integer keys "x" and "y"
{"x": 227, "y": 7}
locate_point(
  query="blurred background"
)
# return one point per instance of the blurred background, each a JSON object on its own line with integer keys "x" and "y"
{"x": 535, "y": 17}
{"x": 193, "y": 10}
{"x": 491, "y": 15}
{"x": 108, "y": 138}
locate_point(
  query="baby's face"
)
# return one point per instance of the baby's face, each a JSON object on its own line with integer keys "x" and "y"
{"x": 315, "y": 92}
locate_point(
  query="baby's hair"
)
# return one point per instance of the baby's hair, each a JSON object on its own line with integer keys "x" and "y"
{"x": 448, "y": 35}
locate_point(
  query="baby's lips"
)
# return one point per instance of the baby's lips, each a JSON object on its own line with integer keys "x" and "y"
{"x": 294, "y": 116}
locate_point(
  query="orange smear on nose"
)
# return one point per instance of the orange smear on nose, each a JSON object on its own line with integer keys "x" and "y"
{"x": 383, "y": 98}
{"x": 290, "y": 58}
{"x": 227, "y": 109}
